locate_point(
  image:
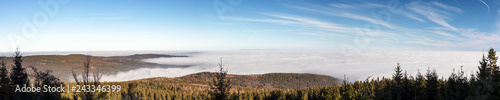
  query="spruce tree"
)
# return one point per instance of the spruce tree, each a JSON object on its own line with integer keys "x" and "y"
{"x": 432, "y": 85}
{"x": 220, "y": 85}
{"x": 495, "y": 74}
{"x": 456, "y": 86}
{"x": 483, "y": 83}
{"x": 5, "y": 88}
{"x": 4, "y": 74}
{"x": 18, "y": 74}
{"x": 492, "y": 61}
{"x": 484, "y": 71}
{"x": 398, "y": 76}
{"x": 420, "y": 87}
{"x": 396, "y": 86}
{"x": 407, "y": 86}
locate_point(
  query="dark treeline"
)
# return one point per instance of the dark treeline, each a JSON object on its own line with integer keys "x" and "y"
{"x": 12, "y": 81}
{"x": 482, "y": 85}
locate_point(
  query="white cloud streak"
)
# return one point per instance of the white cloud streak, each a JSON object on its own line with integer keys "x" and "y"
{"x": 412, "y": 16}
{"x": 447, "y": 7}
{"x": 316, "y": 25}
{"x": 356, "y": 6}
{"x": 444, "y": 35}
{"x": 435, "y": 15}
{"x": 333, "y": 12}
{"x": 339, "y": 5}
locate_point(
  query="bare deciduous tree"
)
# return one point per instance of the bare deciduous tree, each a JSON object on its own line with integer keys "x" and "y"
{"x": 89, "y": 80}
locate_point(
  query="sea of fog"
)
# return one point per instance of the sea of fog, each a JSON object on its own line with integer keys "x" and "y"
{"x": 355, "y": 65}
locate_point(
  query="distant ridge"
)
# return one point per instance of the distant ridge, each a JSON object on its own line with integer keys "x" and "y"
{"x": 147, "y": 56}
{"x": 62, "y": 65}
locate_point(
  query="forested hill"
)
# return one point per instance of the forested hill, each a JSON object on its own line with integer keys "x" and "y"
{"x": 62, "y": 65}
{"x": 267, "y": 81}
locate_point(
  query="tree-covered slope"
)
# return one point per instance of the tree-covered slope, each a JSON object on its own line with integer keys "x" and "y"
{"x": 267, "y": 81}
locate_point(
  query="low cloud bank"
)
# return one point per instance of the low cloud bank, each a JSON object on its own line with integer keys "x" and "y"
{"x": 355, "y": 65}
{"x": 149, "y": 73}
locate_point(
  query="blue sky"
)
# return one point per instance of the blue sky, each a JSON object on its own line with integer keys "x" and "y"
{"x": 103, "y": 25}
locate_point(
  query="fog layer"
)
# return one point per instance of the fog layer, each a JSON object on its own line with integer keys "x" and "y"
{"x": 355, "y": 65}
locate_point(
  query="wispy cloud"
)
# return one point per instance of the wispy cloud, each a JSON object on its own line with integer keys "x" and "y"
{"x": 316, "y": 26}
{"x": 364, "y": 18}
{"x": 412, "y": 16}
{"x": 322, "y": 34}
{"x": 433, "y": 14}
{"x": 348, "y": 7}
{"x": 434, "y": 43}
{"x": 443, "y": 34}
{"x": 470, "y": 38}
{"x": 449, "y": 36}
{"x": 478, "y": 40}
{"x": 276, "y": 21}
{"x": 356, "y": 6}
{"x": 338, "y": 13}
{"x": 305, "y": 26}
{"x": 339, "y": 5}
{"x": 447, "y": 7}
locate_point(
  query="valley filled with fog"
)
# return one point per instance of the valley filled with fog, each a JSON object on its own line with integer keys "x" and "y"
{"x": 355, "y": 65}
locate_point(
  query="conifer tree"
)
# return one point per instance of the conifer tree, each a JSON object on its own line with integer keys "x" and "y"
{"x": 482, "y": 88}
{"x": 396, "y": 86}
{"x": 407, "y": 86}
{"x": 18, "y": 74}
{"x": 492, "y": 61}
{"x": 398, "y": 75}
{"x": 5, "y": 87}
{"x": 484, "y": 71}
{"x": 495, "y": 74}
{"x": 420, "y": 87}
{"x": 220, "y": 85}
{"x": 432, "y": 85}
{"x": 456, "y": 87}
{"x": 4, "y": 74}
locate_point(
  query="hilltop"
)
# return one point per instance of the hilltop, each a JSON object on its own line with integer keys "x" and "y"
{"x": 262, "y": 81}
{"x": 196, "y": 86}
{"x": 62, "y": 65}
